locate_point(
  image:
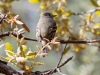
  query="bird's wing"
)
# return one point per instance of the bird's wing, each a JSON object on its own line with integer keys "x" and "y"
{"x": 38, "y": 34}
{"x": 52, "y": 31}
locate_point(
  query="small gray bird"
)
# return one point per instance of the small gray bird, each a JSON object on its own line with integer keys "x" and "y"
{"x": 46, "y": 28}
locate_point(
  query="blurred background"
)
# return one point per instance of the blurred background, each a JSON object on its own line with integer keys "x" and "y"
{"x": 85, "y": 60}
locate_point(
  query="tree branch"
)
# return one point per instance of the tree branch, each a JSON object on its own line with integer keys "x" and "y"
{"x": 3, "y": 34}
{"x": 5, "y": 69}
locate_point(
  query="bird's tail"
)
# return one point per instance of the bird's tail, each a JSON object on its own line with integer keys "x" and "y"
{"x": 45, "y": 50}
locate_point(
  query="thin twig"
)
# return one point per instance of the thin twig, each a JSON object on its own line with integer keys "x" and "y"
{"x": 59, "y": 61}
{"x": 86, "y": 12}
{"x": 2, "y": 17}
{"x": 61, "y": 56}
{"x": 65, "y": 62}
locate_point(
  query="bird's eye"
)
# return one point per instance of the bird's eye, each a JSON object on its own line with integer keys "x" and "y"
{"x": 49, "y": 15}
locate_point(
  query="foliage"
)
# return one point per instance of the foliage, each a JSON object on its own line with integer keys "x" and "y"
{"x": 88, "y": 28}
{"x": 63, "y": 19}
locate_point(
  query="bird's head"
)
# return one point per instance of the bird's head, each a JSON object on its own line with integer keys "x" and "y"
{"x": 47, "y": 14}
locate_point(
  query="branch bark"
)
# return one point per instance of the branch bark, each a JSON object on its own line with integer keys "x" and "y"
{"x": 3, "y": 34}
{"x": 5, "y": 69}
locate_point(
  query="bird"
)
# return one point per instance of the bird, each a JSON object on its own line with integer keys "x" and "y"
{"x": 46, "y": 28}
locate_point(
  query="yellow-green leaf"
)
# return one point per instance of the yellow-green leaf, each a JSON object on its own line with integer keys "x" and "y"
{"x": 27, "y": 67}
{"x": 94, "y": 3}
{"x": 7, "y": 58}
{"x": 24, "y": 47}
{"x": 89, "y": 17}
{"x": 77, "y": 49}
{"x": 20, "y": 51}
{"x": 31, "y": 54}
{"x": 98, "y": 13}
{"x": 8, "y": 46}
{"x": 43, "y": 6}
{"x": 97, "y": 33}
{"x": 34, "y": 1}
{"x": 66, "y": 50}
{"x": 21, "y": 39}
{"x": 37, "y": 63}
{"x": 97, "y": 26}
{"x": 9, "y": 53}
{"x": 68, "y": 13}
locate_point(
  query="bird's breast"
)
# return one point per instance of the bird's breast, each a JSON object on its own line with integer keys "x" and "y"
{"x": 44, "y": 25}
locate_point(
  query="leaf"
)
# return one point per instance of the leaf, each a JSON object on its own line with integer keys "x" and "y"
{"x": 89, "y": 17}
{"x": 97, "y": 32}
{"x": 31, "y": 54}
{"x": 26, "y": 28}
{"x": 13, "y": 36}
{"x": 20, "y": 51}
{"x": 9, "y": 53}
{"x": 94, "y": 3}
{"x": 27, "y": 67}
{"x": 38, "y": 47}
{"x": 22, "y": 30}
{"x": 21, "y": 39}
{"x": 8, "y": 46}
{"x": 2, "y": 45}
{"x": 15, "y": 17}
{"x": 24, "y": 43}
{"x": 21, "y": 60}
{"x": 98, "y": 2}
{"x": 68, "y": 13}
{"x": 43, "y": 6}
{"x": 37, "y": 63}
{"x": 19, "y": 22}
{"x": 7, "y": 58}
{"x": 77, "y": 49}
{"x": 24, "y": 47}
{"x": 97, "y": 25}
{"x": 12, "y": 24}
{"x": 66, "y": 50}
{"x": 13, "y": 20}
{"x": 98, "y": 13}
{"x": 81, "y": 32}
{"x": 34, "y": 1}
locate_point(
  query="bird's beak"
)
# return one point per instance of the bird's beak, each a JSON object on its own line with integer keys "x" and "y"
{"x": 54, "y": 15}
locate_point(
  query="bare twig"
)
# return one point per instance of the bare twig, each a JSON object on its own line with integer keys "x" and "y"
{"x": 2, "y": 17}
{"x": 58, "y": 62}
{"x": 50, "y": 72}
{"x": 61, "y": 56}
{"x": 65, "y": 62}
{"x": 78, "y": 41}
{"x": 86, "y": 12}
